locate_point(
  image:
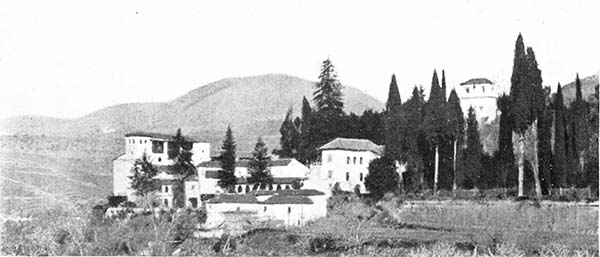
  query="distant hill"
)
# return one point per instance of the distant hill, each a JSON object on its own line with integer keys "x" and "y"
{"x": 253, "y": 106}
{"x": 588, "y": 85}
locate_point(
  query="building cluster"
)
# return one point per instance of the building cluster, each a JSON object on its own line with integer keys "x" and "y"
{"x": 297, "y": 194}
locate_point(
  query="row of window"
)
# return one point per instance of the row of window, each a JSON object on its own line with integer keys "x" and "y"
{"x": 360, "y": 178}
{"x": 132, "y": 141}
{"x": 255, "y": 187}
{"x": 360, "y": 161}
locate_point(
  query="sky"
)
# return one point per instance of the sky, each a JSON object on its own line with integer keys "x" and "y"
{"x": 66, "y": 59}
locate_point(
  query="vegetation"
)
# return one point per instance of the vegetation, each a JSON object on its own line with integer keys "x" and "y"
{"x": 227, "y": 178}
{"x": 382, "y": 177}
{"x": 142, "y": 178}
{"x": 258, "y": 166}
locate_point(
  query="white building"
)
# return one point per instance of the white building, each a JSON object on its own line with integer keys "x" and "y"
{"x": 481, "y": 94}
{"x": 292, "y": 207}
{"x": 156, "y": 147}
{"x": 284, "y": 172}
{"x": 346, "y": 161}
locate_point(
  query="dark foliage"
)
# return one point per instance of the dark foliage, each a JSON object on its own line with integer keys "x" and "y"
{"x": 559, "y": 169}
{"x": 382, "y": 177}
{"x": 227, "y": 173}
{"x": 258, "y": 165}
{"x": 393, "y": 123}
{"x": 142, "y": 178}
{"x": 473, "y": 152}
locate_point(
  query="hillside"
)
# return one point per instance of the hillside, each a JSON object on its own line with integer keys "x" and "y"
{"x": 588, "y": 85}
{"x": 253, "y": 106}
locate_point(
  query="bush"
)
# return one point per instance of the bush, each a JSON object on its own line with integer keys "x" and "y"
{"x": 322, "y": 244}
{"x": 115, "y": 200}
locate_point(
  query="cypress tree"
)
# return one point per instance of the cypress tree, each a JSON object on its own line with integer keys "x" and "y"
{"x": 544, "y": 127}
{"x": 307, "y": 146}
{"x": 258, "y": 166}
{"x": 227, "y": 179}
{"x": 505, "y": 155}
{"x": 473, "y": 153}
{"x": 393, "y": 122}
{"x": 289, "y": 137}
{"x": 414, "y": 144}
{"x": 434, "y": 124}
{"x": 559, "y": 169}
{"x": 456, "y": 124}
{"x": 142, "y": 178}
{"x": 527, "y": 97}
{"x": 579, "y": 114}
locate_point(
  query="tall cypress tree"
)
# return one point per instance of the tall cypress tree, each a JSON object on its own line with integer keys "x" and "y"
{"x": 456, "y": 125}
{"x": 473, "y": 153}
{"x": 581, "y": 135}
{"x": 227, "y": 179}
{"x": 289, "y": 137}
{"x": 434, "y": 124}
{"x": 527, "y": 95}
{"x": 393, "y": 122}
{"x": 505, "y": 155}
{"x": 307, "y": 149}
{"x": 559, "y": 169}
{"x": 544, "y": 127}
{"x": 258, "y": 166}
{"x": 414, "y": 143}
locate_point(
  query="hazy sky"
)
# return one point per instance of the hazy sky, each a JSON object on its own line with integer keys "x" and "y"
{"x": 69, "y": 58}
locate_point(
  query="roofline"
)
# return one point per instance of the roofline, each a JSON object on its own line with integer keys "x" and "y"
{"x": 351, "y": 150}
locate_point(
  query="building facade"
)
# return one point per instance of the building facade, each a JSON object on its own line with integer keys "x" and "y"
{"x": 345, "y": 161}
{"x": 156, "y": 147}
{"x": 481, "y": 94}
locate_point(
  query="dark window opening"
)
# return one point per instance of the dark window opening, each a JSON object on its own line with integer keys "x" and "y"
{"x": 247, "y": 189}
{"x": 194, "y": 202}
{"x": 166, "y": 202}
{"x": 348, "y": 160}
{"x": 239, "y": 189}
{"x": 354, "y": 160}
{"x": 158, "y": 147}
{"x": 347, "y": 176}
{"x": 265, "y": 209}
{"x": 361, "y": 176}
{"x": 287, "y": 187}
{"x": 289, "y": 209}
{"x": 166, "y": 189}
{"x": 278, "y": 187}
{"x": 361, "y": 160}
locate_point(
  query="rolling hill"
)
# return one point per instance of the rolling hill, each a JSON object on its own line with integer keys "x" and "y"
{"x": 253, "y": 106}
{"x": 588, "y": 85}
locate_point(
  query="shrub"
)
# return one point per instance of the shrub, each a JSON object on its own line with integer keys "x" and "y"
{"x": 115, "y": 200}
{"x": 322, "y": 244}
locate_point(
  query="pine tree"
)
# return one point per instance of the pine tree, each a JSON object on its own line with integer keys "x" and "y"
{"x": 473, "y": 153}
{"x": 382, "y": 177}
{"x": 258, "y": 166}
{"x": 180, "y": 152}
{"x": 328, "y": 92}
{"x": 227, "y": 179}
{"x": 142, "y": 179}
{"x": 434, "y": 123}
{"x": 559, "y": 169}
{"x": 456, "y": 125}
{"x": 528, "y": 102}
{"x": 393, "y": 124}
{"x": 289, "y": 137}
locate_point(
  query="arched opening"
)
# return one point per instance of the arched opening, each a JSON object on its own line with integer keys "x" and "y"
{"x": 278, "y": 187}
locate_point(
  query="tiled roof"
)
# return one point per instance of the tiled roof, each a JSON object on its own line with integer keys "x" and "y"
{"x": 287, "y": 199}
{"x": 153, "y": 135}
{"x": 233, "y": 198}
{"x": 476, "y": 81}
{"x": 296, "y": 192}
{"x": 245, "y": 163}
{"x": 353, "y": 144}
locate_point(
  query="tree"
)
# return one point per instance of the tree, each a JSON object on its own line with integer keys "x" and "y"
{"x": 289, "y": 137}
{"x": 528, "y": 101}
{"x": 227, "y": 179}
{"x": 307, "y": 148}
{"x": 393, "y": 124}
{"x": 413, "y": 144}
{"x": 328, "y": 92}
{"x": 456, "y": 125}
{"x": 591, "y": 168}
{"x": 434, "y": 123}
{"x": 579, "y": 115}
{"x": 180, "y": 151}
{"x": 473, "y": 152}
{"x": 382, "y": 177}
{"x": 142, "y": 179}
{"x": 505, "y": 155}
{"x": 559, "y": 169}
{"x": 544, "y": 128}
{"x": 258, "y": 165}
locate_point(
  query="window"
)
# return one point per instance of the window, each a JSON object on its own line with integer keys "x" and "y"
{"x": 265, "y": 209}
{"x": 166, "y": 189}
{"x": 360, "y": 160}
{"x": 330, "y": 175}
{"x": 361, "y": 176}
{"x": 193, "y": 187}
{"x": 347, "y": 176}
{"x": 140, "y": 141}
{"x": 194, "y": 202}
{"x": 158, "y": 147}
{"x": 289, "y": 209}
{"x": 239, "y": 189}
{"x": 166, "y": 202}
{"x": 287, "y": 187}
{"x": 348, "y": 160}
{"x": 278, "y": 187}
{"x": 329, "y": 158}
{"x": 159, "y": 159}
{"x": 247, "y": 189}
{"x": 354, "y": 161}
